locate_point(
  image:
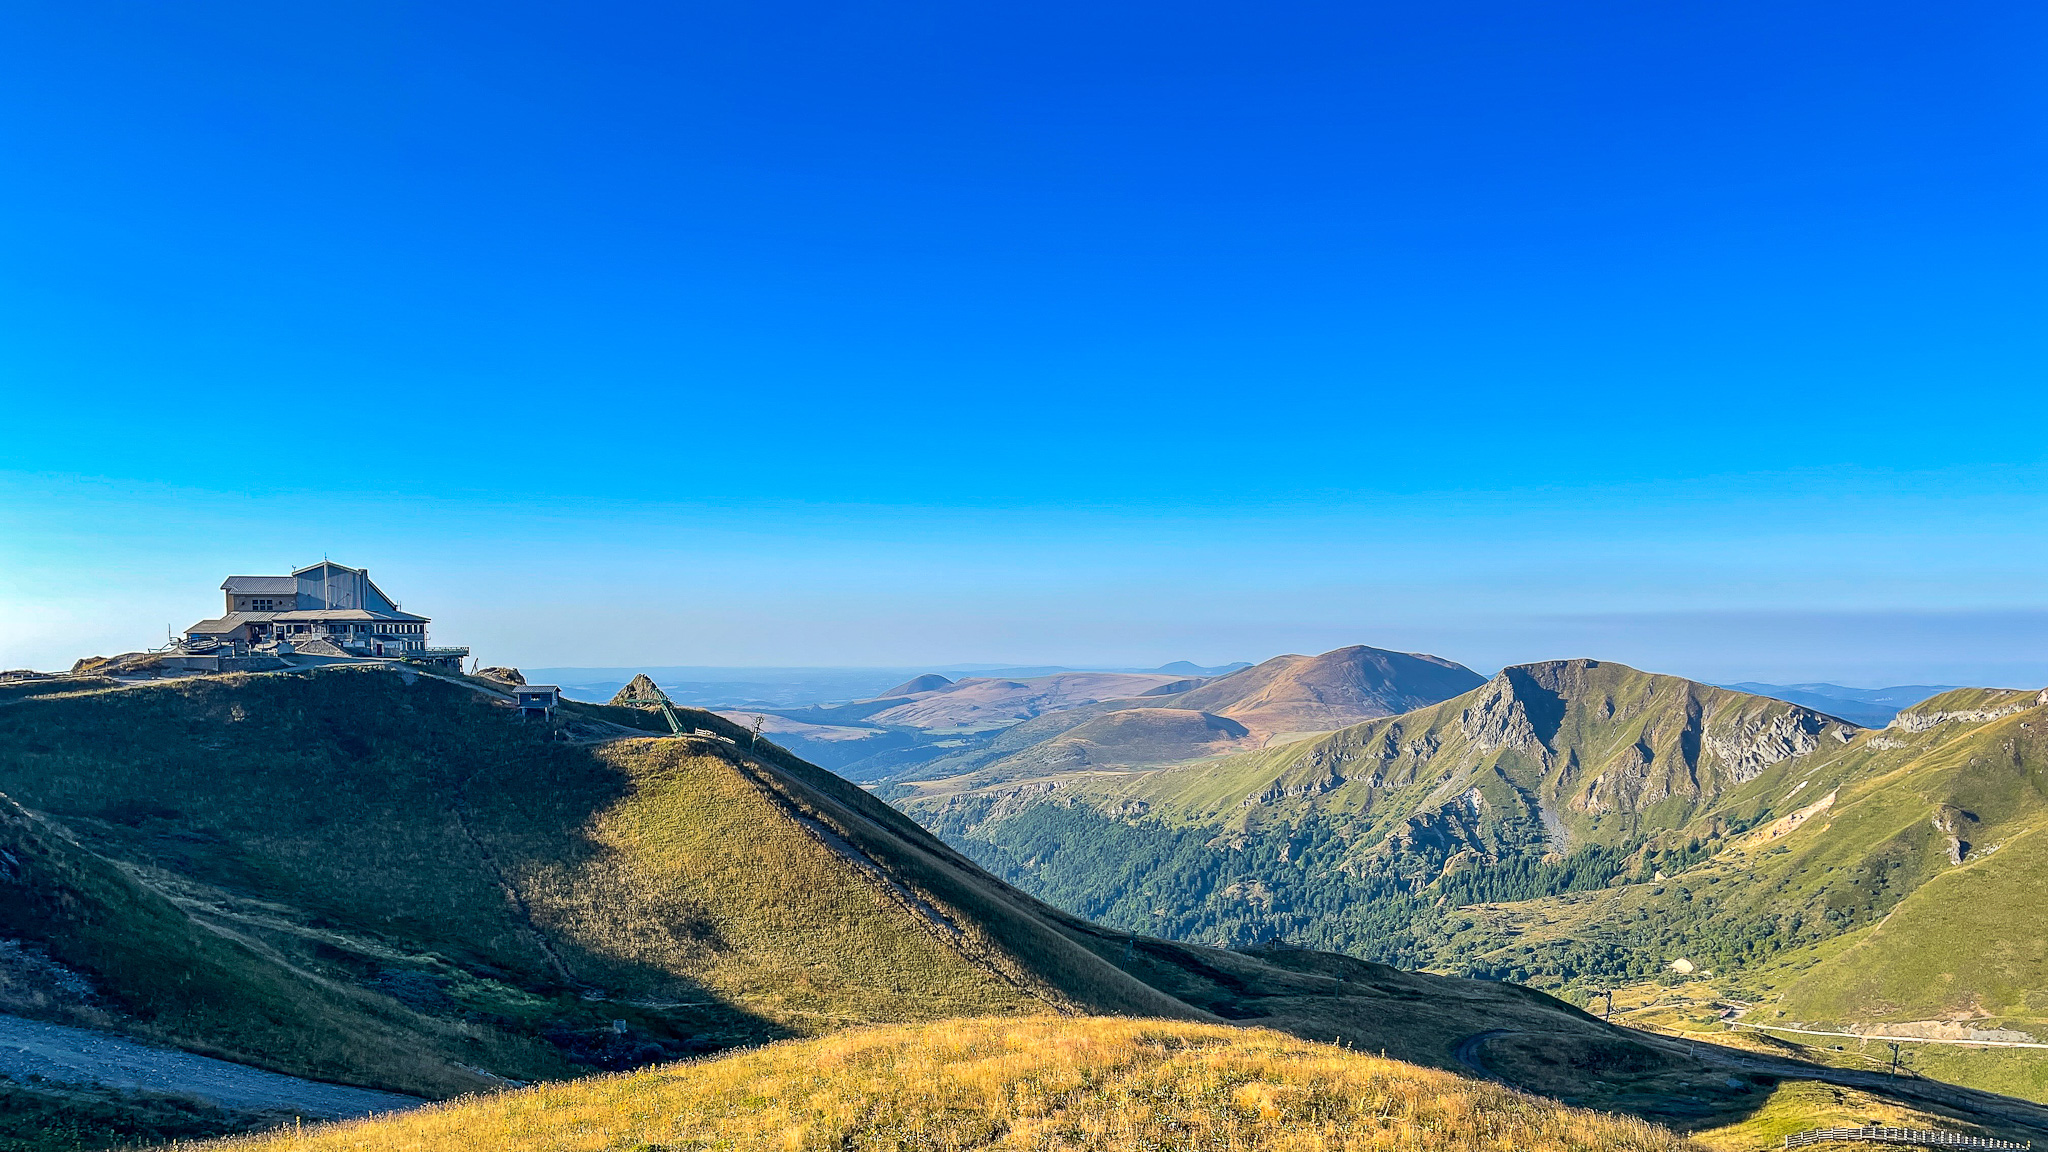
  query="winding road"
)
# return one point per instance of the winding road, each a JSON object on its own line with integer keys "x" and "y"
{"x": 66, "y": 1055}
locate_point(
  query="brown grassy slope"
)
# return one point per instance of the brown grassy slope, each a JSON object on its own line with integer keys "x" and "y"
{"x": 984, "y": 703}
{"x": 1285, "y": 697}
{"x": 1129, "y": 738}
{"x": 1038, "y": 1084}
{"x": 1301, "y": 694}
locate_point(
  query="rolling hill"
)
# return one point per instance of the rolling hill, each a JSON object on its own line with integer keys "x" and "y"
{"x": 1283, "y": 698}
{"x": 972, "y": 704}
{"x": 930, "y": 716}
{"x": 389, "y": 879}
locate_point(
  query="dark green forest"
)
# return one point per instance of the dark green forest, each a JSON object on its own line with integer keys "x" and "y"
{"x": 1312, "y": 885}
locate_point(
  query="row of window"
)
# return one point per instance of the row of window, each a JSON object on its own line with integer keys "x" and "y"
{"x": 362, "y": 629}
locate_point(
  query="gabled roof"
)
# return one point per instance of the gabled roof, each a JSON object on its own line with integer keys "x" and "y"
{"x": 260, "y": 585}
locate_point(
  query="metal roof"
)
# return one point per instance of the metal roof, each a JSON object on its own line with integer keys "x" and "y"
{"x": 234, "y": 620}
{"x": 260, "y": 585}
{"x": 304, "y": 614}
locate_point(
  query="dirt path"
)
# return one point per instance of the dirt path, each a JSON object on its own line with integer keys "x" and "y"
{"x": 1467, "y": 1053}
{"x": 1889, "y": 1039}
{"x": 82, "y": 1056}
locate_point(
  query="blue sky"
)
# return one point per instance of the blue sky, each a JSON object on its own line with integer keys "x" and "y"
{"x": 1704, "y": 337}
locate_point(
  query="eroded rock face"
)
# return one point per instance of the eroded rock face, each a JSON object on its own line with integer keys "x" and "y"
{"x": 637, "y": 690}
{"x": 1626, "y": 783}
{"x": 1922, "y": 721}
{"x": 1746, "y": 747}
{"x": 1499, "y": 719}
{"x": 1295, "y": 787}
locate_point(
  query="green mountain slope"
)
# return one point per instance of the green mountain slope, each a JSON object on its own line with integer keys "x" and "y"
{"x": 1886, "y": 882}
{"x": 1577, "y": 825}
{"x": 1546, "y": 778}
{"x": 393, "y": 880}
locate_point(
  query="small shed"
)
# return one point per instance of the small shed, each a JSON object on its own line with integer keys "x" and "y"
{"x": 536, "y": 699}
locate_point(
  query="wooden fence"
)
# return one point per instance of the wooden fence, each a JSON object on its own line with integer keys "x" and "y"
{"x": 1916, "y": 1136}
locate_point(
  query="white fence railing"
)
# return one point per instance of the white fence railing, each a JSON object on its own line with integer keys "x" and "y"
{"x": 1916, "y": 1136}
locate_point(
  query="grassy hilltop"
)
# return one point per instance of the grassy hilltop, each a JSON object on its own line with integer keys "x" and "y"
{"x": 1037, "y": 1084}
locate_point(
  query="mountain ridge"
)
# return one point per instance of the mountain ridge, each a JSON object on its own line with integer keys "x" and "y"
{"x": 450, "y": 895}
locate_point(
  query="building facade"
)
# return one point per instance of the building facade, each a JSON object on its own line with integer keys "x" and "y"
{"x": 323, "y": 609}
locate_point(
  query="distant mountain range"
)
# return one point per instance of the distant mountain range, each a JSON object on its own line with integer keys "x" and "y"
{"x": 1869, "y": 707}
{"x": 720, "y": 687}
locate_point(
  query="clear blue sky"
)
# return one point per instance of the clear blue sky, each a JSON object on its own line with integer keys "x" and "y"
{"x": 1708, "y": 337}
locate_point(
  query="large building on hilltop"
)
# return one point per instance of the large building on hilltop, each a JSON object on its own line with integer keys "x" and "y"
{"x": 323, "y": 609}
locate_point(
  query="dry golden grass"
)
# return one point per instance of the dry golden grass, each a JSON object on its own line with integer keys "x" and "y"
{"x": 1036, "y": 1083}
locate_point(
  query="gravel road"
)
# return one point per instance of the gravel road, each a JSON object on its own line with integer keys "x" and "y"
{"x": 82, "y": 1056}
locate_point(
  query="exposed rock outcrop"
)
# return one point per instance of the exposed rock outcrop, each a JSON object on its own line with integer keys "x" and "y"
{"x": 1747, "y": 747}
{"x": 1955, "y": 824}
{"x": 640, "y": 689}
